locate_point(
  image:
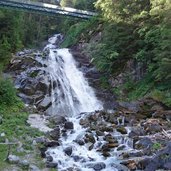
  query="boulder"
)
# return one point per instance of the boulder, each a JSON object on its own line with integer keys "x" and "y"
{"x": 122, "y": 130}
{"x": 33, "y": 168}
{"x": 13, "y": 159}
{"x": 68, "y": 151}
{"x": 51, "y": 165}
{"x": 69, "y": 125}
{"x": 97, "y": 166}
{"x": 144, "y": 143}
{"x": 55, "y": 133}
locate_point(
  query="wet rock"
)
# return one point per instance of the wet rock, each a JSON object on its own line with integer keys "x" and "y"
{"x": 84, "y": 122}
{"x": 142, "y": 163}
{"x": 132, "y": 154}
{"x": 130, "y": 164}
{"x": 105, "y": 148}
{"x": 97, "y": 166}
{"x": 68, "y": 151}
{"x": 152, "y": 126}
{"x": 161, "y": 160}
{"x": 121, "y": 147}
{"x": 45, "y": 103}
{"x": 57, "y": 120}
{"x": 136, "y": 131}
{"x": 51, "y": 143}
{"x": 43, "y": 151}
{"x": 112, "y": 145}
{"x": 122, "y": 130}
{"x": 51, "y": 165}
{"x": 106, "y": 154}
{"x": 55, "y": 134}
{"x": 13, "y": 159}
{"x": 80, "y": 142}
{"x": 144, "y": 143}
{"x": 49, "y": 158}
{"x": 110, "y": 139}
{"x": 99, "y": 133}
{"x": 90, "y": 138}
{"x": 91, "y": 147}
{"x": 69, "y": 125}
{"x": 119, "y": 167}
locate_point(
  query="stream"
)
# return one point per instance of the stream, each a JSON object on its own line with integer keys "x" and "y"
{"x": 73, "y": 97}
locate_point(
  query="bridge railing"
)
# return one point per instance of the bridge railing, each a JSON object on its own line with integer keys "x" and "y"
{"x": 64, "y": 10}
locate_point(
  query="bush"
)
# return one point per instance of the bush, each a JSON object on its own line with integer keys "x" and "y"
{"x": 7, "y": 93}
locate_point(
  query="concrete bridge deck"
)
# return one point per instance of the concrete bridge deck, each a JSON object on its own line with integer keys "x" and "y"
{"x": 46, "y": 8}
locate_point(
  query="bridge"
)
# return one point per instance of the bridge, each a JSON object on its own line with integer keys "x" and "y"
{"x": 46, "y": 8}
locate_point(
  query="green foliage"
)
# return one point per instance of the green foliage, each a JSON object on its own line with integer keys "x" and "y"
{"x": 79, "y": 4}
{"x": 7, "y": 93}
{"x": 76, "y": 32}
{"x": 156, "y": 146}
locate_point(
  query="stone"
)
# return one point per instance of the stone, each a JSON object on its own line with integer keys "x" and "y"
{"x": 49, "y": 158}
{"x": 51, "y": 165}
{"x": 152, "y": 126}
{"x": 136, "y": 131}
{"x": 99, "y": 166}
{"x": 161, "y": 160}
{"x": 68, "y": 151}
{"x": 55, "y": 134}
{"x": 121, "y": 147}
{"x": 99, "y": 133}
{"x": 90, "y": 138}
{"x": 112, "y": 145}
{"x": 43, "y": 151}
{"x": 24, "y": 164}
{"x": 69, "y": 125}
{"x": 80, "y": 142}
{"x": 40, "y": 140}
{"x": 167, "y": 166}
{"x": 33, "y": 168}
{"x": 45, "y": 103}
{"x": 106, "y": 154}
{"x": 13, "y": 159}
{"x": 51, "y": 143}
{"x": 144, "y": 143}
{"x": 58, "y": 120}
{"x": 122, "y": 130}
{"x": 131, "y": 164}
{"x": 119, "y": 167}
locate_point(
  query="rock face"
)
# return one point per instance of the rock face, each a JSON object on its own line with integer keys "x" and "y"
{"x": 30, "y": 78}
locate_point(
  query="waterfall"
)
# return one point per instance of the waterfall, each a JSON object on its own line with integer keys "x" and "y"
{"x": 70, "y": 91}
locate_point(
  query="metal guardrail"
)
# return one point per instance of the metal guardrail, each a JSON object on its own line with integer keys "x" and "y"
{"x": 46, "y": 8}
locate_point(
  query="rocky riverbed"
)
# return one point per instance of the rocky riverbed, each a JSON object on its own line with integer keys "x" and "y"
{"x": 137, "y": 134}
{"x": 123, "y": 136}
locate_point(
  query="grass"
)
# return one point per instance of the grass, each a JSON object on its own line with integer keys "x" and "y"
{"x": 15, "y": 129}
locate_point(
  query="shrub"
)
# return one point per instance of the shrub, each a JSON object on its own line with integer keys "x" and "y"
{"x": 7, "y": 93}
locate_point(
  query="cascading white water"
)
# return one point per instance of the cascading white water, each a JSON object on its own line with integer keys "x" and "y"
{"x": 71, "y": 93}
